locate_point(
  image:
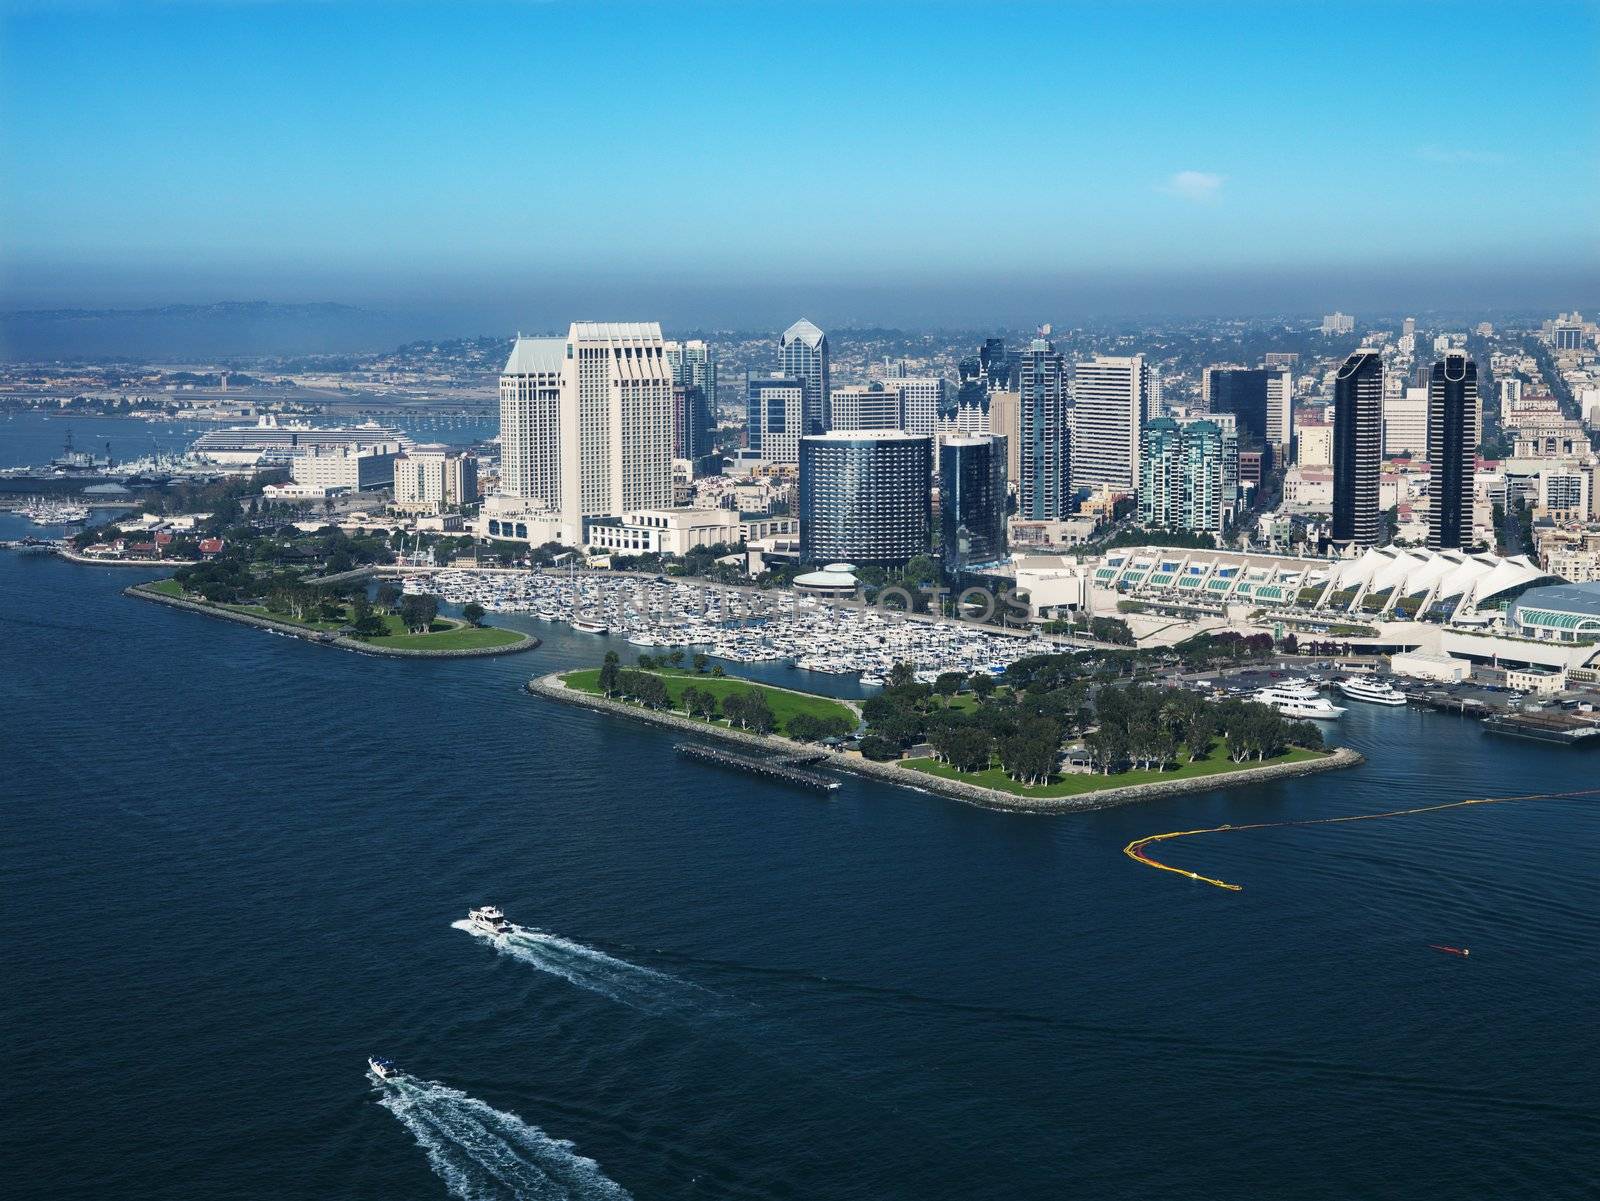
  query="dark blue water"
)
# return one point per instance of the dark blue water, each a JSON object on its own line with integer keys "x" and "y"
{"x": 232, "y": 861}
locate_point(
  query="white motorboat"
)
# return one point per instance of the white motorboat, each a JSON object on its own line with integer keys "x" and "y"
{"x": 489, "y": 920}
{"x": 383, "y": 1069}
{"x": 1291, "y": 703}
{"x": 1374, "y": 692}
{"x": 585, "y": 626}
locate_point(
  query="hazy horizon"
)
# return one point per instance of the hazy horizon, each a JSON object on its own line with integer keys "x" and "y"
{"x": 739, "y": 164}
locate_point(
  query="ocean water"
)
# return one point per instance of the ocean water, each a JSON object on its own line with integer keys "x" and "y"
{"x": 233, "y": 864}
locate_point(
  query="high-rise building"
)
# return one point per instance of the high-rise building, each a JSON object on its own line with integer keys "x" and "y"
{"x": 775, "y": 417}
{"x": 865, "y": 407}
{"x": 1405, "y": 424}
{"x": 1338, "y": 323}
{"x": 1189, "y": 474}
{"x": 530, "y": 421}
{"x": 1357, "y": 448}
{"x": 803, "y": 355}
{"x": 1109, "y": 394}
{"x": 1005, "y": 421}
{"x": 997, "y": 366}
{"x": 694, "y": 365}
{"x": 1408, "y": 328}
{"x": 432, "y": 478}
{"x": 972, "y": 502}
{"x": 1280, "y": 412}
{"x": 865, "y": 498}
{"x": 1452, "y": 451}
{"x": 616, "y": 421}
{"x": 694, "y": 371}
{"x": 921, "y": 400}
{"x": 1044, "y": 479}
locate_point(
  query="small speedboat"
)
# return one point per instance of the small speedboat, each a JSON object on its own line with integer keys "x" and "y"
{"x": 383, "y": 1069}
{"x": 489, "y": 920}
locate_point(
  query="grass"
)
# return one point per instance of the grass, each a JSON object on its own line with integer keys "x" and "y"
{"x": 1076, "y": 784}
{"x": 445, "y": 634}
{"x": 784, "y": 704}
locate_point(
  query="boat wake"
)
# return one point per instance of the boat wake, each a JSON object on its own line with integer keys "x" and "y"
{"x": 481, "y": 1152}
{"x": 630, "y": 984}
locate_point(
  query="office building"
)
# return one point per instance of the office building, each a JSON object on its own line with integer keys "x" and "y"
{"x": 997, "y": 366}
{"x": 435, "y": 479}
{"x": 694, "y": 365}
{"x": 1044, "y": 479}
{"x": 922, "y": 399}
{"x": 866, "y": 497}
{"x": 1109, "y": 398}
{"x": 1005, "y": 421}
{"x": 803, "y": 355}
{"x": 865, "y": 407}
{"x": 775, "y": 408}
{"x": 1405, "y": 424}
{"x": 1338, "y": 323}
{"x": 1188, "y": 475}
{"x": 1452, "y": 450}
{"x": 972, "y": 503}
{"x": 693, "y": 424}
{"x": 1261, "y": 399}
{"x": 1357, "y": 448}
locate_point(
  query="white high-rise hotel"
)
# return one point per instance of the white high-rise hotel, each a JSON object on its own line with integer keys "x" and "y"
{"x": 1110, "y": 395}
{"x": 586, "y": 423}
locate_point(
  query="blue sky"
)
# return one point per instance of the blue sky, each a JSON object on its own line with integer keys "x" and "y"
{"x": 517, "y": 152}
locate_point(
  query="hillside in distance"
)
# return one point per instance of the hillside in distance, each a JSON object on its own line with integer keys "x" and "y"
{"x": 224, "y": 330}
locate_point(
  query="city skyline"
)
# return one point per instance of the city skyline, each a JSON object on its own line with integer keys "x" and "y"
{"x": 276, "y": 151}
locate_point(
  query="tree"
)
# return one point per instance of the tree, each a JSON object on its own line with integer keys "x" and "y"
{"x": 417, "y": 613}
{"x": 700, "y": 662}
{"x": 902, "y": 674}
{"x": 983, "y": 684}
{"x": 949, "y": 683}
{"x": 610, "y": 676}
{"x": 473, "y": 612}
{"x": 879, "y": 749}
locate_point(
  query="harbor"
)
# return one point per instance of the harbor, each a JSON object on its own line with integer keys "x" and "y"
{"x": 739, "y": 625}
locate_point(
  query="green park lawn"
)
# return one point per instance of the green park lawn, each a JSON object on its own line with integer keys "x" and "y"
{"x": 445, "y": 634}
{"x": 1214, "y": 764}
{"x": 783, "y": 703}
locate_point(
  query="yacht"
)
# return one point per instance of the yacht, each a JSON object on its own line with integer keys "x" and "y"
{"x": 1374, "y": 692}
{"x": 489, "y": 920}
{"x": 585, "y": 626}
{"x": 1291, "y": 703}
{"x": 383, "y": 1069}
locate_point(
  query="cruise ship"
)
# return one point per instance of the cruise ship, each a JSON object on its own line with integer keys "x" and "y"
{"x": 1374, "y": 692}
{"x": 1298, "y": 700}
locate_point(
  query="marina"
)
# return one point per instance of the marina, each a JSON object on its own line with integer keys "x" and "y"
{"x": 738, "y": 625}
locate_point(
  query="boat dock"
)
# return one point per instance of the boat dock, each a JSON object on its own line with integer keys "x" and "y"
{"x": 784, "y": 769}
{"x": 1557, "y": 728}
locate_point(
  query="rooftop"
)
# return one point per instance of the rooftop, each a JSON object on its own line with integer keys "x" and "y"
{"x": 1563, "y": 598}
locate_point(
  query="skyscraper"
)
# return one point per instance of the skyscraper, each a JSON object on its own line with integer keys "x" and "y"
{"x": 530, "y": 421}
{"x": 694, "y": 371}
{"x": 775, "y": 416}
{"x": 1260, "y": 398}
{"x": 865, "y": 498}
{"x": 1005, "y": 421}
{"x": 1110, "y": 403}
{"x": 1452, "y": 451}
{"x": 586, "y": 422}
{"x": 616, "y": 420}
{"x": 1357, "y": 448}
{"x": 921, "y": 400}
{"x": 972, "y": 502}
{"x": 1188, "y": 475}
{"x": 1044, "y": 457}
{"x": 803, "y": 355}
{"x": 865, "y": 407}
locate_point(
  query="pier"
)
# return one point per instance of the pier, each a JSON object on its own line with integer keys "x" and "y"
{"x": 782, "y": 769}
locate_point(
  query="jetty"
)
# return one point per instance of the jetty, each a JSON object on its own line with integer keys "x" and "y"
{"x": 783, "y": 769}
